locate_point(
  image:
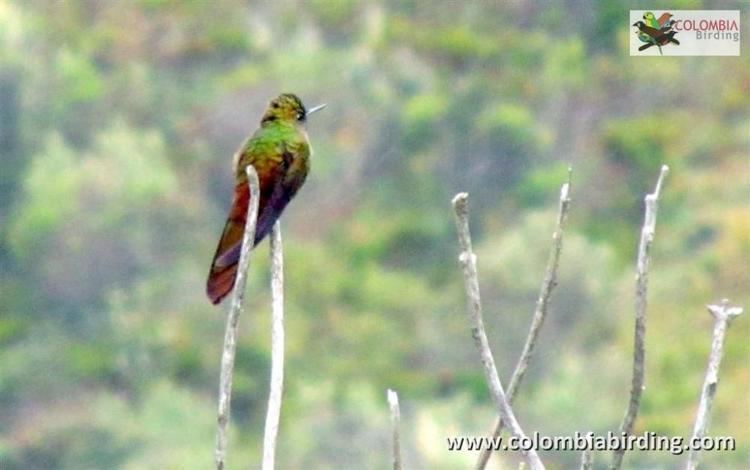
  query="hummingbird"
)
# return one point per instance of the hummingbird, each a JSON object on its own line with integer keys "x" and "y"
{"x": 280, "y": 153}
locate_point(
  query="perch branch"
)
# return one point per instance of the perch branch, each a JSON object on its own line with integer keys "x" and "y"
{"x": 723, "y": 314}
{"x": 467, "y": 260}
{"x": 639, "y": 348}
{"x": 395, "y": 420}
{"x": 540, "y": 312}
{"x": 277, "y": 349}
{"x": 230, "y": 334}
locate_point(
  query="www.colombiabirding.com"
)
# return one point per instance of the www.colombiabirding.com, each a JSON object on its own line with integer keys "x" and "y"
{"x": 648, "y": 441}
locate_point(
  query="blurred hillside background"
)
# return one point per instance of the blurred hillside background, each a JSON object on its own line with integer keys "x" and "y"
{"x": 118, "y": 121}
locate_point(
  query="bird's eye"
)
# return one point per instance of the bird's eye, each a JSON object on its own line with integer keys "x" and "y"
{"x": 300, "y": 116}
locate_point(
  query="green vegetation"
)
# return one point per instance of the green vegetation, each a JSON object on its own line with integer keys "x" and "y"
{"x": 118, "y": 121}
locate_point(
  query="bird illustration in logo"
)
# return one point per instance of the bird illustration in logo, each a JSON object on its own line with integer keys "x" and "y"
{"x": 665, "y": 20}
{"x": 655, "y": 32}
{"x": 651, "y": 20}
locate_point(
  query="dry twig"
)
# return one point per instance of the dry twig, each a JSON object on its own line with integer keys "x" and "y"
{"x": 230, "y": 334}
{"x": 723, "y": 314}
{"x": 587, "y": 461}
{"x": 540, "y": 312}
{"x": 467, "y": 260}
{"x": 395, "y": 420}
{"x": 277, "y": 349}
{"x": 639, "y": 349}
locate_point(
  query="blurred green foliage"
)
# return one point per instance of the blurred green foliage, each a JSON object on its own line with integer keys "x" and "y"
{"x": 118, "y": 121}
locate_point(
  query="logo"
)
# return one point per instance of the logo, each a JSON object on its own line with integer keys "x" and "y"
{"x": 685, "y": 33}
{"x": 655, "y": 31}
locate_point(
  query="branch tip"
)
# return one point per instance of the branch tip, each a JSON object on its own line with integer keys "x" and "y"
{"x": 662, "y": 174}
{"x": 637, "y": 385}
{"x": 395, "y": 419}
{"x": 724, "y": 310}
{"x": 564, "y": 192}
{"x": 723, "y": 314}
{"x": 392, "y": 398}
{"x": 460, "y": 202}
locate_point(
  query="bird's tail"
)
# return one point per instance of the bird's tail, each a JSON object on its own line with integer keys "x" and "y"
{"x": 224, "y": 265}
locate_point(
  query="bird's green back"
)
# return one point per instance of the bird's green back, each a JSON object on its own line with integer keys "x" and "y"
{"x": 266, "y": 148}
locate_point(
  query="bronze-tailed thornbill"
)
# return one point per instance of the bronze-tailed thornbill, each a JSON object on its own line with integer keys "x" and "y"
{"x": 280, "y": 152}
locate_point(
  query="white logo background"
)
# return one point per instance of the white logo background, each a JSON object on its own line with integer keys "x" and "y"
{"x": 690, "y": 44}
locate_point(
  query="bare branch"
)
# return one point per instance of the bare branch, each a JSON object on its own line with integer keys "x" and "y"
{"x": 723, "y": 314}
{"x": 277, "y": 349}
{"x": 639, "y": 349}
{"x": 230, "y": 333}
{"x": 395, "y": 420}
{"x": 467, "y": 260}
{"x": 587, "y": 461}
{"x": 540, "y": 312}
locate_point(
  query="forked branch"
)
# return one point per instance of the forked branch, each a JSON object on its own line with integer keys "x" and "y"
{"x": 467, "y": 260}
{"x": 540, "y": 312}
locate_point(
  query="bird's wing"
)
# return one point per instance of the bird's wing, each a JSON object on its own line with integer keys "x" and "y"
{"x": 277, "y": 162}
{"x": 224, "y": 265}
{"x": 654, "y": 33}
{"x": 290, "y": 167}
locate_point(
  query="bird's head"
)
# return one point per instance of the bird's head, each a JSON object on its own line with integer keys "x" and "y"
{"x": 649, "y": 15}
{"x": 287, "y": 107}
{"x": 641, "y": 26}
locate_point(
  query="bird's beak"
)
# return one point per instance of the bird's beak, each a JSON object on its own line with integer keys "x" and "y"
{"x": 316, "y": 109}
